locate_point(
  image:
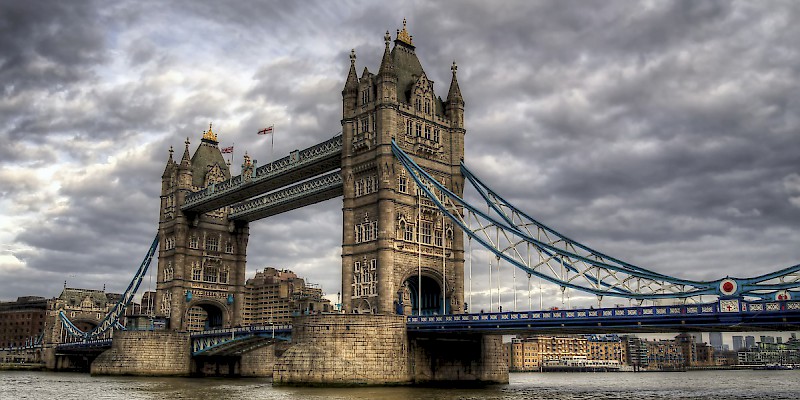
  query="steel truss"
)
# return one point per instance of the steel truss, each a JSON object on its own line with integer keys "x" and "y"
{"x": 514, "y": 237}
{"x": 112, "y": 318}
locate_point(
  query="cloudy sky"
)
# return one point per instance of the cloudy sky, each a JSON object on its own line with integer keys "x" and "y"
{"x": 664, "y": 133}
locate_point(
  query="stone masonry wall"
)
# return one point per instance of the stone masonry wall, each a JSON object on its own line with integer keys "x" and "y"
{"x": 346, "y": 350}
{"x": 146, "y": 353}
{"x": 261, "y": 362}
{"x": 473, "y": 359}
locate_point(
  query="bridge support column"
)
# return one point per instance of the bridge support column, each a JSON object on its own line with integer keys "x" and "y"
{"x": 472, "y": 359}
{"x": 345, "y": 350}
{"x": 146, "y": 353}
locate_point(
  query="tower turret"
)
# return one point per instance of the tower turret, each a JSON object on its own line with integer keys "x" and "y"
{"x": 455, "y": 103}
{"x": 350, "y": 91}
{"x": 387, "y": 77}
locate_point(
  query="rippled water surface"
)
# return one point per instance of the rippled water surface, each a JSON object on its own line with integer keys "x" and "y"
{"x": 557, "y": 386}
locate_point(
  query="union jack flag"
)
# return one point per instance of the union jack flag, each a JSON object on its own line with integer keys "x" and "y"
{"x": 227, "y": 150}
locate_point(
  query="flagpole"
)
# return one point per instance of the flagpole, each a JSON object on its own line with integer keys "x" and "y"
{"x": 272, "y": 144}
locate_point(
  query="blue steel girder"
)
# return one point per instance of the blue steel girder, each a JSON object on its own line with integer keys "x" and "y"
{"x": 112, "y": 318}
{"x": 313, "y": 191}
{"x": 538, "y": 250}
{"x": 299, "y": 165}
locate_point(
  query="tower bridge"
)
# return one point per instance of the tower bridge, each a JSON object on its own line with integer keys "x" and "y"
{"x": 399, "y": 168}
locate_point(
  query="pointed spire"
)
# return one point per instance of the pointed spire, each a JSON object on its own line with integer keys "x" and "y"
{"x": 387, "y": 66}
{"x": 170, "y": 164}
{"x": 352, "y": 79}
{"x": 186, "y": 159}
{"x": 454, "y": 95}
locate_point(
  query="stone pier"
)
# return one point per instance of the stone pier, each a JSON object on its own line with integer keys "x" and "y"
{"x": 345, "y": 350}
{"x": 146, "y": 353}
{"x": 356, "y": 349}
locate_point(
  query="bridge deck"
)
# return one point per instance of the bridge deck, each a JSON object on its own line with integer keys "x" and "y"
{"x": 720, "y": 316}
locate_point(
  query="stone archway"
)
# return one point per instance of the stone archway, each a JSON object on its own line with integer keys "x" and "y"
{"x": 204, "y": 315}
{"x": 430, "y": 296}
{"x": 84, "y": 324}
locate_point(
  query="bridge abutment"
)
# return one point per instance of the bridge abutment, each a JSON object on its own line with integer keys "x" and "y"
{"x": 146, "y": 353}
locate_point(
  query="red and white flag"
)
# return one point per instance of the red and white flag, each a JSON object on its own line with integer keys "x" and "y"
{"x": 227, "y": 150}
{"x": 266, "y": 130}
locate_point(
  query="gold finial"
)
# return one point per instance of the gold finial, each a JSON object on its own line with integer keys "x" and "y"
{"x": 210, "y": 135}
{"x": 403, "y": 35}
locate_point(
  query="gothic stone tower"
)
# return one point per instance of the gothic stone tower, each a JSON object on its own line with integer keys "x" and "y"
{"x": 201, "y": 258}
{"x": 391, "y": 233}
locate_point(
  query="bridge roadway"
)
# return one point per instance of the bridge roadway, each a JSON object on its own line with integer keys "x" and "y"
{"x": 298, "y": 166}
{"x": 724, "y": 315}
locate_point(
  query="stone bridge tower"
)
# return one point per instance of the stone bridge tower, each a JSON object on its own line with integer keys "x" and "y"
{"x": 398, "y": 252}
{"x": 201, "y": 258}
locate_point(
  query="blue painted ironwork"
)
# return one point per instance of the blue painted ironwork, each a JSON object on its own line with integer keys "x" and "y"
{"x": 112, "y": 318}
{"x": 320, "y": 158}
{"x": 237, "y": 340}
{"x": 513, "y": 236}
{"x": 315, "y": 190}
{"x": 728, "y": 314}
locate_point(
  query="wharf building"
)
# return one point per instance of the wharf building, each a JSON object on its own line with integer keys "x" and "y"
{"x": 22, "y": 321}
{"x": 767, "y": 353}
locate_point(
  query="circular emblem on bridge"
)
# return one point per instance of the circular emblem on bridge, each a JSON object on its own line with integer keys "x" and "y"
{"x": 728, "y": 286}
{"x": 783, "y": 295}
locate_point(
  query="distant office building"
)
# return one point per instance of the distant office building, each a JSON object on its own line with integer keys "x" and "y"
{"x": 749, "y": 342}
{"x": 715, "y": 340}
{"x": 738, "y": 343}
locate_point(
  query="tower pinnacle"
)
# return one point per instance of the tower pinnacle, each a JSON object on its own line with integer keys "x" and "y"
{"x": 210, "y": 135}
{"x": 403, "y": 35}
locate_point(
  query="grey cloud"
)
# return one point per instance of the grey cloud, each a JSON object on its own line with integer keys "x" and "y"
{"x": 663, "y": 135}
{"x": 46, "y": 44}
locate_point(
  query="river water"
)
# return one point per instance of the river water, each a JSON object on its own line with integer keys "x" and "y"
{"x": 557, "y": 386}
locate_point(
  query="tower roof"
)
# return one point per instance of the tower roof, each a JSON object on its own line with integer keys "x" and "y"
{"x": 406, "y": 64}
{"x": 205, "y": 157}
